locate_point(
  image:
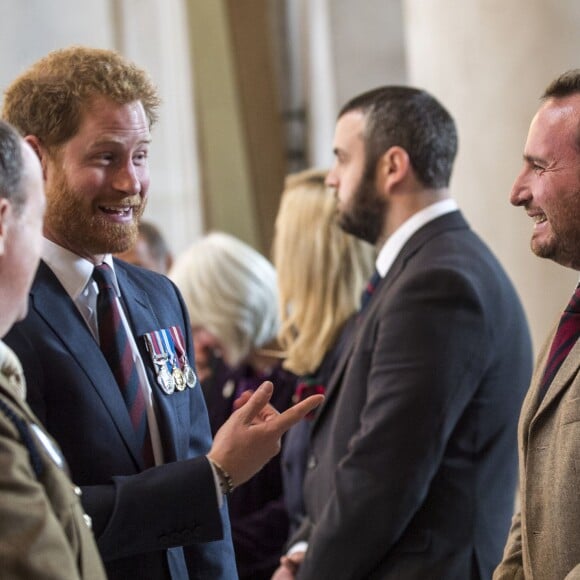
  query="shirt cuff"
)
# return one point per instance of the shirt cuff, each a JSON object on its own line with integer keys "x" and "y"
{"x": 218, "y": 489}
{"x": 297, "y": 547}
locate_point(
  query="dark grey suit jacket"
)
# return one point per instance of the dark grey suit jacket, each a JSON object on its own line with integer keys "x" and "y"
{"x": 412, "y": 469}
{"x": 141, "y": 518}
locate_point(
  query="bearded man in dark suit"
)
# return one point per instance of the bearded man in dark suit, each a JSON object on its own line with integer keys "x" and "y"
{"x": 412, "y": 466}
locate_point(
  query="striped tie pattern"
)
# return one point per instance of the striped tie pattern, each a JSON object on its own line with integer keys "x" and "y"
{"x": 369, "y": 289}
{"x": 565, "y": 338}
{"x": 116, "y": 348}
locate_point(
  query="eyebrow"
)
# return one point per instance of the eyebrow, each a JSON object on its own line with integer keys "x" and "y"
{"x": 531, "y": 159}
{"x": 114, "y": 141}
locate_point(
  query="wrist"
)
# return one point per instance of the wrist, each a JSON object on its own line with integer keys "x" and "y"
{"x": 225, "y": 480}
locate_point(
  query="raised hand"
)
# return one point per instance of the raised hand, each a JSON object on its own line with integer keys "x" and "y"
{"x": 252, "y": 434}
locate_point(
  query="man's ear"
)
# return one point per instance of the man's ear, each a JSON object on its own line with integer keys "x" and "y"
{"x": 5, "y": 213}
{"x": 392, "y": 168}
{"x": 40, "y": 151}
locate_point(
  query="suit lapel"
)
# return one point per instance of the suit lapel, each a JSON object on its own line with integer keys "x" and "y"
{"x": 143, "y": 319}
{"x": 51, "y": 302}
{"x": 561, "y": 381}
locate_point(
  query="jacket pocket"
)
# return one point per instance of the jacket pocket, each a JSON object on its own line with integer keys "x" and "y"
{"x": 570, "y": 412}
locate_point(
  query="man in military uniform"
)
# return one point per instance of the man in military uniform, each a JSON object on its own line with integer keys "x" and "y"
{"x": 44, "y": 532}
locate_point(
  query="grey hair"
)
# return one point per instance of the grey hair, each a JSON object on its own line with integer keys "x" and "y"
{"x": 230, "y": 290}
{"x": 11, "y": 166}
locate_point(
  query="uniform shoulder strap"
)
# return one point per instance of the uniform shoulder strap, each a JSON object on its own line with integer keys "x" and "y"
{"x": 27, "y": 438}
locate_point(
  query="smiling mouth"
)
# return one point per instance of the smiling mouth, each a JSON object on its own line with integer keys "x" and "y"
{"x": 118, "y": 211}
{"x": 540, "y": 218}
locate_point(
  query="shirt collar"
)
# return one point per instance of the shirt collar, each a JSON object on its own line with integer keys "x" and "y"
{"x": 72, "y": 271}
{"x": 393, "y": 246}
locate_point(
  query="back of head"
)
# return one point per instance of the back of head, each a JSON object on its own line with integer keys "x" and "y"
{"x": 230, "y": 290}
{"x": 11, "y": 166}
{"x": 321, "y": 271}
{"x": 48, "y": 99}
{"x": 156, "y": 242}
{"x": 413, "y": 120}
{"x": 150, "y": 250}
{"x": 21, "y": 216}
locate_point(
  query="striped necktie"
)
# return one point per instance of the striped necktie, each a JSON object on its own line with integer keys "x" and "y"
{"x": 116, "y": 348}
{"x": 564, "y": 339}
{"x": 369, "y": 290}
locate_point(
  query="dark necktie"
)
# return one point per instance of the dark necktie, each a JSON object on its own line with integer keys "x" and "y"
{"x": 116, "y": 348}
{"x": 369, "y": 290}
{"x": 565, "y": 338}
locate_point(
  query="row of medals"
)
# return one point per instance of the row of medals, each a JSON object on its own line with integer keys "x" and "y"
{"x": 177, "y": 378}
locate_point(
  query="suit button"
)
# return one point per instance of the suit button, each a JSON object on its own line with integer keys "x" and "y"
{"x": 312, "y": 462}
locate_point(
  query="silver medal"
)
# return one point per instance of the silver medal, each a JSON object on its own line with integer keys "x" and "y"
{"x": 190, "y": 377}
{"x": 165, "y": 380}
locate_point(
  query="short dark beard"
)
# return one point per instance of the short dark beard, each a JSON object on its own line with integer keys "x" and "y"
{"x": 366, "y": 214}
{"x": 564, "y": 245}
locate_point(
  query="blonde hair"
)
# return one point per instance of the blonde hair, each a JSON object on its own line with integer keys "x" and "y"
{"x": 321, "y": 271}
{"x": 49, "y": 98}
{"x": 230, "y": 290}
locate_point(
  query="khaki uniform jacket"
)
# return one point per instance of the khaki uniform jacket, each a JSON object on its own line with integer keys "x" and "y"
{"x": 544, "y": 540}
{"x": 44, "y": 533}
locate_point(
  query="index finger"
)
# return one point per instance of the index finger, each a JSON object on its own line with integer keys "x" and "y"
{"x": 291, "y": 416}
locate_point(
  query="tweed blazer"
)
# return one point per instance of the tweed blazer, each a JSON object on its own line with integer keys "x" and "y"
{"x": 544, "y": 540}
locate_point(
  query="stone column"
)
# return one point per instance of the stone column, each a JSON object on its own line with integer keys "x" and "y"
{"x": 154, "y": 34}
{"x": 350, "y": 47}
{"x": 488, "y": 61}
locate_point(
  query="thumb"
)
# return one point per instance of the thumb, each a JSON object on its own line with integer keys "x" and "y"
{"x": 256, "y": 402}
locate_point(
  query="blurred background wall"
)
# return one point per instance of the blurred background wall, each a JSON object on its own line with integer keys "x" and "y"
{"x": 251, "y": 88}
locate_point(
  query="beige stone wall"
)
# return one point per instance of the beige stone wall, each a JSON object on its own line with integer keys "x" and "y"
{"x": 489, "y": 61}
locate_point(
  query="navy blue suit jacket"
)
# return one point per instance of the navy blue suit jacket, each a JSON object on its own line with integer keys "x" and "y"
{"x": 141, "y": 518}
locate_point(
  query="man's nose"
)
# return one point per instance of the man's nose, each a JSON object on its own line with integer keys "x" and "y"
{"x": 521, "y": 192}
{"x": 127, "y": 180}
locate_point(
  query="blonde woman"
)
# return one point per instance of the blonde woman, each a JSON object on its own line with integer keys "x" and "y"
{"x": 321, "y": 274}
